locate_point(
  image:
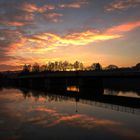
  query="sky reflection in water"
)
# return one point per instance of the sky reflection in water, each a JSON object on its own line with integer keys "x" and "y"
{"x": 121, "y": 93}
{"x": 56, "y": 118}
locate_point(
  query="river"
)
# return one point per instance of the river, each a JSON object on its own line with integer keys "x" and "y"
{"x": 34, "y": 115}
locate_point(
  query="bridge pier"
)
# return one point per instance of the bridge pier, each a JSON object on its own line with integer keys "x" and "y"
{"x": 90, "y": 85}
{"x": 55, "y": 84}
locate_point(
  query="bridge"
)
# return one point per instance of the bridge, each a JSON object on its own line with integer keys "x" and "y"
{"x": 82, "y": 74}
{"x": 89, "y": 83}
{"x": 82, "y": 79}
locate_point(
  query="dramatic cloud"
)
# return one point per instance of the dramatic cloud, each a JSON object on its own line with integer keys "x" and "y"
{"x": 13, "y": 43}
{"x": 122, "y": 5}
{"x": 82, "y": 38}
{"x": 77, "y": 4}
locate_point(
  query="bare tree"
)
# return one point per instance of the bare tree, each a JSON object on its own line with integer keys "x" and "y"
{"x": 76, "y": 65}
{"x": 137, "y": 66}
{"x": 26, "y": 68}
{"x": 43, "y": 68}
{"x": 96, "y": 66}
{"x": 111, "y": 67}
{"x": 35, "y": 67}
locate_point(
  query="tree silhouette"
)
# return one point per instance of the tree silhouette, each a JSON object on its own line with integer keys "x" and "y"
{"x": 77, "y": 65}
{"x": 96, "y": 66}
{"x": 65, "y": 65}
{"x": 111, "y": 67}
{"x": 35, "y": 67}
{"x": 137, "y": 66}
{"x": 26, "y": 68}
{"x": 43, "y": 68}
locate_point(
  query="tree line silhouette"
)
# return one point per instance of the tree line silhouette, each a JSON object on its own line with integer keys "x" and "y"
{"x": 65, "y": 66}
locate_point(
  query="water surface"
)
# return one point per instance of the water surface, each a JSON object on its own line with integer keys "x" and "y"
{"x": 38, "y": 115}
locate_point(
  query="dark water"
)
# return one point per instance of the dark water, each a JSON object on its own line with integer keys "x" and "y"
{"x": 37, "y": 115}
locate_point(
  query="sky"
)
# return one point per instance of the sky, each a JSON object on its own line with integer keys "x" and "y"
{"x": 90, "y": 31}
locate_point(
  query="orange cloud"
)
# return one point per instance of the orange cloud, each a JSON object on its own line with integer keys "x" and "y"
{"x": 76, "y": 4}
{"x": 31, "y": 7}
{"x": 43, "y": 42}
{"x": 124, "y": 27}
{"x": 82, "y": 38}
{"x": 73, "y": 5}
{"x": 122, "y": 5}
{"x": 18, "y": 19}
{"x": 16, "y": 23}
